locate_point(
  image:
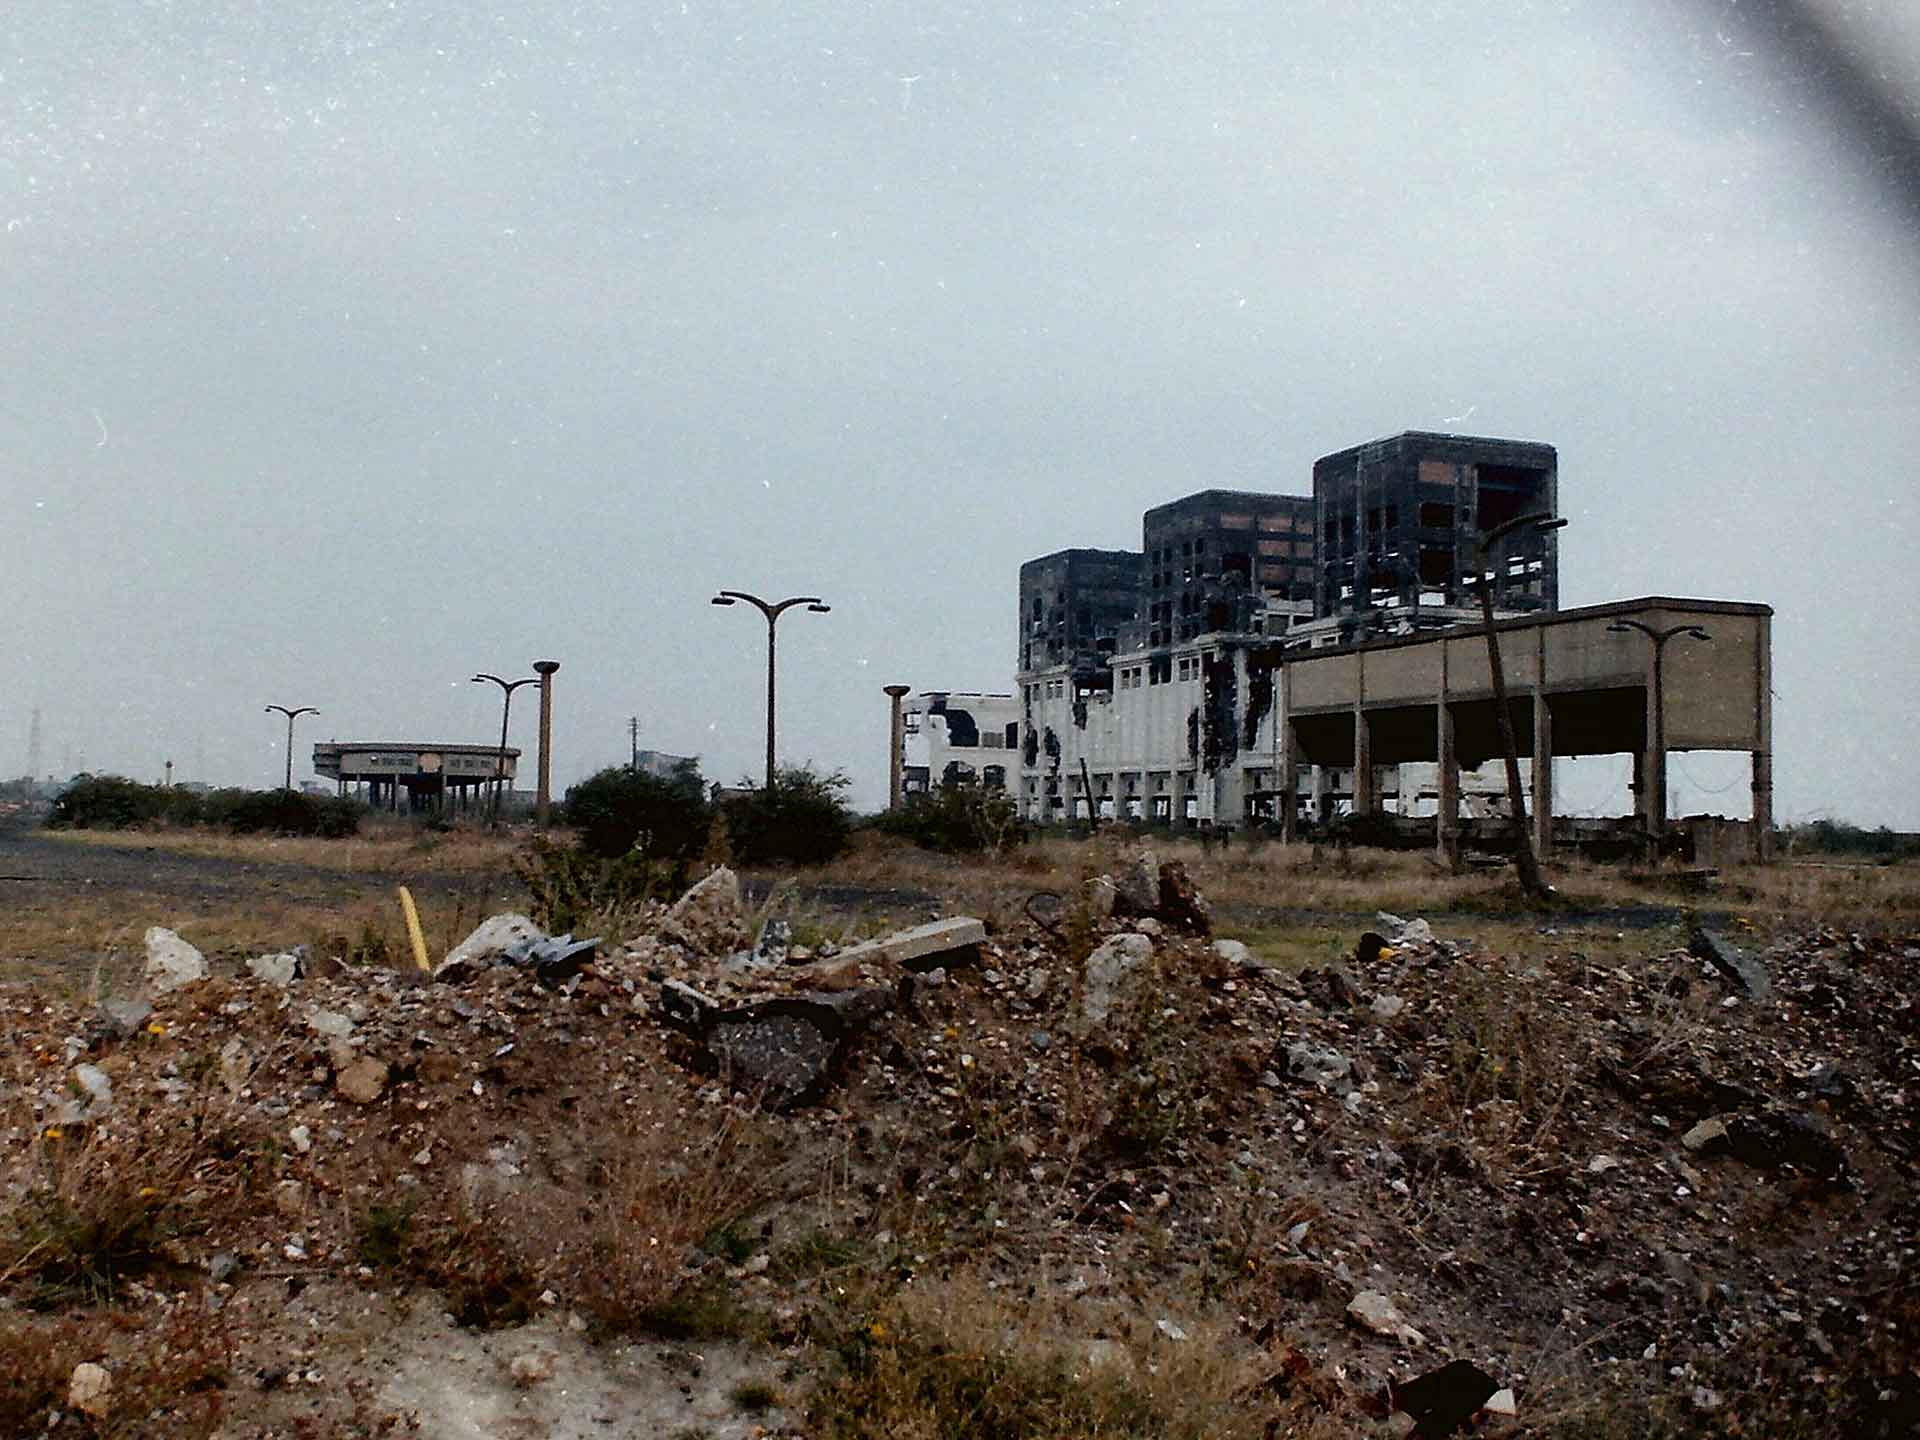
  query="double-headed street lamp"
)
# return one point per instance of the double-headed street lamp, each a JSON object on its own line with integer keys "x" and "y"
{"x": 507, "y": 687}
{"x": 1523, "y": 857}
{"x": 1657, "y": 811}
{"x": 773, "y": 613}
{"x": 291, "y": 715}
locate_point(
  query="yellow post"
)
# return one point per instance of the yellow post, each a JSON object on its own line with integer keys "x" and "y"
{"x": 413, "y": 929}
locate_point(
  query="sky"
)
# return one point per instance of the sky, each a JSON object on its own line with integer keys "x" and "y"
{"x": 350, "y": 348}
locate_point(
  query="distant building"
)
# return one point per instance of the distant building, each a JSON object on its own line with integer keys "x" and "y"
{"x": 428, "y": 776}
{"x": 957, "y": 737}
{"x": 661, "y": 765}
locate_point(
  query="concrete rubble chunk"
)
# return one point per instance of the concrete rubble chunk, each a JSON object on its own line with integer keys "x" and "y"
{"x": 938, "y": 945}
{"x": 364, "y": 1081}
{"x": 1318, "y": 1065}
{"x": 1101, "y": 895}
{"x": 95, "y": 1090}
{"x": 1398, "y": 932}
{"x": 1137, "y": 888}
{"x": 122, "y": 1018}
{"x": 171, "y": 961}
{"x": 1749, "y": 974}
{"x": 487, "y": 945}
{"x": 1708, "y": 1137}
{"x": 788, "y": 1049}
{"x": 1240, "y": 957}
{"x": 710, "y": 918}
{"x": 686, "y": 1007}
{"x": 280, "y": 970}
{"x": 1106, "y": 971}
{"x": 1373, "y": 1311}
{"x": 1180, "y": 901}
{"x": 1502, "y": 1402}
{"x": 1444, "y": 1400}
{"x": 90, "y": 1390}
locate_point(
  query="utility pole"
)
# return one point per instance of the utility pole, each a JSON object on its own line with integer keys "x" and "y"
{"x": 1531, "y": 883}
{"x": 633, "y": 743}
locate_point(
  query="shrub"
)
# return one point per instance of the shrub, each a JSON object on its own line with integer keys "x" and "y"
{"x": 801, "y": 818}
{"x": 957, "y": 820}
{"x": 113, "y": 802}
{"x": 571, "y": 889}
{"x": 621, "y": 810}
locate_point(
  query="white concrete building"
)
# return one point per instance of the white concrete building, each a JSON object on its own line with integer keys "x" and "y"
{"x": 959, "y": 737}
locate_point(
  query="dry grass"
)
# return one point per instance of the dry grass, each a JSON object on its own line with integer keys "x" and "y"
{"x": 383, "y": 847}
{"x": 962, "y": 1356}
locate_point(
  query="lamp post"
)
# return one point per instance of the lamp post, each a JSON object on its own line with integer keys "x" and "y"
{"x": 1657, "y": 781}
{"x": 773, "y": 613}
{"x": 507, "y": 687}
{"x": 1523, "y": 857}
{"x": 896, "y": 732}
{"x": 291, "y": 715}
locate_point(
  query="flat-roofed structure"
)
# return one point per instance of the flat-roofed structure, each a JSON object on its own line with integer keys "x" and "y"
{"x": 1225, "y": 732}
{"x": 430, "y": 775}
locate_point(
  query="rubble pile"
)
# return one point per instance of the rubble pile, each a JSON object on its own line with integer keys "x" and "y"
{"x": 1447, "y": 1183}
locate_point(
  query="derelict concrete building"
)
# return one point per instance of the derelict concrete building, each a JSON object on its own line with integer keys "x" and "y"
{"x": 1211, "y": 710}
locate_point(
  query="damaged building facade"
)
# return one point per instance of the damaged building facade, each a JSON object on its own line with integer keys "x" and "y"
{"x": 1295, "y": 657}
{"x": 953, "y": 737}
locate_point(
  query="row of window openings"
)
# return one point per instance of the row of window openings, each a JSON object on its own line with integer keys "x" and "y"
{"x": 1160, "y": 670}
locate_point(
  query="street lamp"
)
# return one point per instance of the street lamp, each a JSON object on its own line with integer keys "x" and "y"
{"x": 1523, "y": 858}
{"x": 1657, "y": 811}
{"x": 290, "y": 714}
{"x": 507, "y": 687}
{"x": 773, "y": 613}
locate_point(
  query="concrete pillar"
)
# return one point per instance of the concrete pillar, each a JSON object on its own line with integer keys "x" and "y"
{"x": 1364, "y": 800}
{"x": 1178, "y": 814}
{"x": 1763, "y": 728}
{"x": 1318, "y": 784}
{"x": 1287, "y": 782}
{"x": 1447, "y": 820}
{"x": 543, "y": 798}
{"x": 1542, "y": 776}
{"x": 897, "y": 733}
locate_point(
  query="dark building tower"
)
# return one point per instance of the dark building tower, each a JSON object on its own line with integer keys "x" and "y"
{"x": 1398, "y": 522}
{"x": 1072, "y": 605}
{"x": 1211, "y": 557}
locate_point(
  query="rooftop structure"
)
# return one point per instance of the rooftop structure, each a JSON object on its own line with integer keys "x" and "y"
{"x": 429, "y": 774}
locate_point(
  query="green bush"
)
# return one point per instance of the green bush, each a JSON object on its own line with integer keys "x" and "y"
{"x": 621, "y": 810}
{"x": 113, "y": 802}
{"x": 802, "y": 818}
{"x": 957, "y": 820}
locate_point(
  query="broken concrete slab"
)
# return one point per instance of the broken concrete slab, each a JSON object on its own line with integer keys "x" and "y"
{"x": 171, "y": 961}
{"x": 1180, "y": 901}
{"x": 1373, "y": 1311}
{"x": 710, "y": 919}
{"x": 121, "y": 1018}
{"x": 938, "y": 945}
{"x": 1749, "y": 974}
{"x": 789, "y": 1049}
{"x": 1106, "y": 971}
{"x": 487, "y": 945}
{"x": 279, "y": 970}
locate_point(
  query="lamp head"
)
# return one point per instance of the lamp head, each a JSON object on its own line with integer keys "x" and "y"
{"x": 721, "y": 600}
{"x": 817, "y": 608}
{"x": 1558, "y": 522}
{"x": 1619, "y": 628}
{"x": 1698, "y": 633}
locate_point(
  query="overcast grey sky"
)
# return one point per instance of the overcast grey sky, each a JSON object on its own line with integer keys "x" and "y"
{"x": 350, "y": 347}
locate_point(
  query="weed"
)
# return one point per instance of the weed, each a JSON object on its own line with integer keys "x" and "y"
{"x": 756, "y": 1397}
{"x": 382, "y": 1233}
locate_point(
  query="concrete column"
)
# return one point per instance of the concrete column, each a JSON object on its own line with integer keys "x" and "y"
{"x": 1364, "y": 800}
{"x": 897, "y": 733}
{"x": 1447, "y": 821}
{"x": 1763, "y": 727}
{"x": 1318, "y": 785}
{"x": 1287, "y": 782}
{"x": 1178, "y": 815}
{"x": 1653, "y": 770}
{"x": 543, "y": 797}
{"x": 1542, "y": 776}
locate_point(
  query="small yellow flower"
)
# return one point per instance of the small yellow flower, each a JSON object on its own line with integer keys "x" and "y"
{"x": 156, "y": 1028}
{"x": 53, "y": 1132}
{"x": 877, "y": 1330}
